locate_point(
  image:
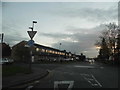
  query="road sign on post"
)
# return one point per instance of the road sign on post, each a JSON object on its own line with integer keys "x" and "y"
{"x": 31, "y": 34}
{"x": 31, "y": 42}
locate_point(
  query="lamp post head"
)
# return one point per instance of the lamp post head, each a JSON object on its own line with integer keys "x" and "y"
{"x": 34, "y": 21}
{"x": 30, "y": 27}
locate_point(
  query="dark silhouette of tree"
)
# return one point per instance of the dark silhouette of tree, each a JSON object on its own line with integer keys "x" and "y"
{"x": 104, "y": 51}
{"x": 6, "y": 50}
{"x": 117, "y": 55}
{"x": 82, "y": 57}
{"x": 108, "y": 42}
{"x": 109, "y": 36}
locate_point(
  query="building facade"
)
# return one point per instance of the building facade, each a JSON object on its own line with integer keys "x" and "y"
{"x": 40, "y": 53}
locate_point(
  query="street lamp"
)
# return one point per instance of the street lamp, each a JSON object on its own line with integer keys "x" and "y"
{"x": 60, "y": 46}
{"x": 34, "y": 21}
{"x": 74, "y": 41}
{"x": 33, "y": 25}
{"x": 31, "y": 28}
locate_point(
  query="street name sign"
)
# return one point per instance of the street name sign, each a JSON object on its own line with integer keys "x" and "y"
{"x": 31, "y": 34}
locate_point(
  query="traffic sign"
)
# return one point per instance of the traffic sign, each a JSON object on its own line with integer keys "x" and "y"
{"x": 30, "y": 43}
{"x": 31, "y": 34}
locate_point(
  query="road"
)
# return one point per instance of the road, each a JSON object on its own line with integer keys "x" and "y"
{"x": 77, "y": 75}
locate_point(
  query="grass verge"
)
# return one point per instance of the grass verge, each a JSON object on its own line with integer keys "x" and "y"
{"x": 10, "y": 70}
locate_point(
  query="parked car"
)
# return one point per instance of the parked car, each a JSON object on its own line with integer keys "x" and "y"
{"x": 91, "y": 60}
{"x": 10, "y": 60}
{"x": 68, "y": 59}
{"x": 87, "y": 60}
{"x": 6, "y": 61}
{"x": 54, "y": 59}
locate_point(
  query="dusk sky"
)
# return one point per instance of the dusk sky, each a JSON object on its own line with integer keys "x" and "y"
{"x": 77, "y": 25}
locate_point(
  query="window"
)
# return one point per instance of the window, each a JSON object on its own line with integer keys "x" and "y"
{"x": 37, "y": 49}
{"x": 43, "y": 50}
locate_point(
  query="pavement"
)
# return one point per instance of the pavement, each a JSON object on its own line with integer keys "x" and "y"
{"x": 19, "y": 79}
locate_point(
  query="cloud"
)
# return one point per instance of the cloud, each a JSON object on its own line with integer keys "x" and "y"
{"x": 54, "y": 35}
{"x": 57, "y": 36}
{"x": 13, "y": 39}
{"x": 77, "y": 40}
{"x": 12, "y": 35}
{"x": 92, "y": 14}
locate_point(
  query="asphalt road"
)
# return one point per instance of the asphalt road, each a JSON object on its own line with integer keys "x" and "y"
{"x": 77, "y": 75}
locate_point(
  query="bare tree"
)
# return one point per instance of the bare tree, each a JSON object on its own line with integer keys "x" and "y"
{"x": 109, "y": 36}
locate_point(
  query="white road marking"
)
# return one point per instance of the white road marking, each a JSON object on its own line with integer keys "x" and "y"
{"x": 90, "y": 78}
{"x": 29, "y": 87}
{"x": 36, "y": 82}
{"x": 85, "y": 74}
{"x": 94, "y": 84}
{"x": 56, "y": 83}
{"x": 101, "y": 67}
{"x": 97, "y": 81}
{"x": 85, "y": 66}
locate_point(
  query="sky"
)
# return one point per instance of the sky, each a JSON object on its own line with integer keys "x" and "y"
{"x": 76, "y": 25}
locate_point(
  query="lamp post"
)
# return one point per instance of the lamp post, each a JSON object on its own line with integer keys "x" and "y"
{"x": 33, "y": 25}
{"x": 59, "y": 50}
{"x": 74, "y": 46}
{"x": 60, "y": 45}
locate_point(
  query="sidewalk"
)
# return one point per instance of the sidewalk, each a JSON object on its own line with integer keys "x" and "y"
{"x": 23, "y": 78}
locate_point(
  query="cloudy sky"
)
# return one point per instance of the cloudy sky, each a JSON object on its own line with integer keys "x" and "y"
{"x": 77, "y": 25}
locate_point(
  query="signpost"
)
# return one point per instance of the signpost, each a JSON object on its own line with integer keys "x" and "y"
{"x": 31, "y": 42}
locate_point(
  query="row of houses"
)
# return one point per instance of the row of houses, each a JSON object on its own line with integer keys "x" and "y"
{"x": 41, "y": 53}
{"x": 52, "y": 54}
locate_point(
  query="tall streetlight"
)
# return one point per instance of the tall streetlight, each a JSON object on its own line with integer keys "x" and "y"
{"x": 60, "y": 46}
{"x": 74, "y": 41}
{"x": 59, "y": 49}
{"x": 33, "y": 25}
